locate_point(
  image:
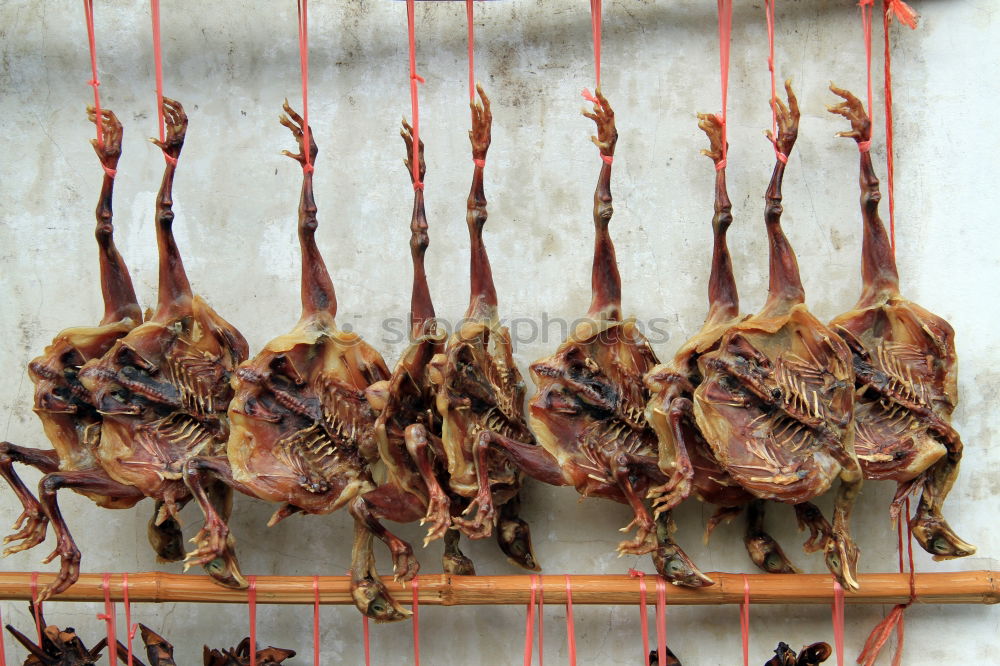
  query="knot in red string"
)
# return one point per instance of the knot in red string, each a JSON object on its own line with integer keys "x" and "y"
{"x": 783, "y": 158}
{"x": 906, "y": 15}
{"x": 608, "y": 159}
{"x": 111, "y": 172}
{"x": 307, "y": 168}
{"x": 864, "y": 146}
{"x": 479, "y": 163}
{"x": 721, "y": 164}
{"x": 589, "y": 96}
{"x": 419, "y": 79}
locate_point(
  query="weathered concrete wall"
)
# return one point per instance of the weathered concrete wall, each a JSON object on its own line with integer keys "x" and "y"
{"x": 231, "y": 63}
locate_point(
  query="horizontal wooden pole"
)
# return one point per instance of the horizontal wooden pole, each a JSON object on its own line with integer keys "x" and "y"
{"x": 966, "y": 587}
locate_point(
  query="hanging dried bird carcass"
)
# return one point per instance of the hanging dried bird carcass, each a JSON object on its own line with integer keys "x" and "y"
{"x": 302, "y": 426}
{"x": 70, "y": 413}
{"x": 777, "y": 396}
{"x": 408, "y": 427}
{"x": 163, "y": 389}
{"x": 905, "y": 369}
{"x": 62, "y": 647}
{"x": 684, "y": 454}
{"x": 479, "y": 390}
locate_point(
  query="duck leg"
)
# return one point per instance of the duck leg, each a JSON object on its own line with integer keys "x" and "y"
{"x": 369, "y": 593}
{"x": 95, "y": 481}
{"x": 761, "y": 546}
{"x": 514, "y": 535}
{"x": 30, "y": 526}
{"x": 454, "y": 560}
{"x": 404, "y": 565}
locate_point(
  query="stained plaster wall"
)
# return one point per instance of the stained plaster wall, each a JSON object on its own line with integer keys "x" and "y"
{"x": 233, "y": 62}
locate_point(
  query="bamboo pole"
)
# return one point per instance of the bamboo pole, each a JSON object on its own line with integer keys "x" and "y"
{"x": 967, "y": 587}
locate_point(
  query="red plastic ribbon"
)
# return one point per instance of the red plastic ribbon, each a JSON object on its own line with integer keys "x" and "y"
{"x": 303, "y": 13}
{"x": 252, "y": 605}
{"x": 414, "y": 101}
{"x": 364, "y": 631}
{"x": 661, "y": 618}
{"x": 109, "y": 620}
{"x": 895, "y": 619}
{"x": 595, "y": 28}
{"x": 130, "y": 629}
{"x": 416, "y": 602}
{"x": 472, "y": 60}
{"x": 769, "y": 12}
{"x": 3, "y": 649}
{"x": 94, "y": 82}
{"x": 529, "y": 627}
{"x": 642, "y": 612}
{"x": 838, "y": 622}
{"x": 570, "y": 629}
{"x": 316, "y": 620}
{"x": 36, "y": 606}
{"x": 158, "y": 62}
{"x": 589, "y": 96}
{"x": 908, "y": 17}
{"x": 541, "y": 623}
{"x": 867, "y": 7}
{"x": 745, "y": 620}
{"x": 725, "y": 38}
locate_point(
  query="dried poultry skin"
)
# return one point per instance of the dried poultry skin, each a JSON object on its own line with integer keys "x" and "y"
{"x": 158, "y": 650}
{"x": 777, "y": 396}
{"x": 588, "y": 412}
{"x": 906, "y": 372}
{"x": 479, "y": 389}
{"x": 684, "y": 455}
{"x": 302, "y": 427}
{"x": 163, "y": 389}
{"x": 69, "y": 415}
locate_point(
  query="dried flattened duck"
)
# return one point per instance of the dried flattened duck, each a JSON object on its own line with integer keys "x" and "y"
{"x": 302, "y": 427}
{"x": 408, "y": 427}
{"x": 163, "y": 389}
{"x": 670, "y": 660}
{"x": 777, "y": 396}
{"x": 62, "y": 647}
{"x": 479, "y": 390}
{"x": 683, "y": 452}
{"x": 905, "y": 370}
{"x": 810, "y": 655}
{"x": 588, "y": 413}
{"x": 69, "y": 414}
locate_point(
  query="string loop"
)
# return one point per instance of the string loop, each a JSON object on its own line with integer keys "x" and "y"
{"x": 252, "y": 607}
{"x": 570, "y": 628}
{"x": 416, "y": 621}
{"x": 414, "y": 101}
{"x": 109, "y": 619}
{"x": 641, "y": 575}
{"x": 725, "y": 8}
{"x": 303, "y": 16}
{"x": 158, "y": 64}
{"x": 130, "y": 629}
{"x": 769, "y": 13}
{"x": 745, "y": 620}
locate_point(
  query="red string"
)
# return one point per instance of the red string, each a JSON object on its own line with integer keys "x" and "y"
{"x": 36, "y": 605}
{"x": 541, "y": 623}
{"x": 3, "y": 649}
{"x": 642, "y": 612}
{"x": 725, "y": 38}
{"x": 661, "y": 618}
{"x": 570, "y": 629}
{"x": 94, "y": 82}
{"x": 252, "y": 604}
{"x": 867, "y": 7}
{"x": 769, "y": 12}
{"x": 745, "y": 620}
{"x": 589, "y": 96}
{"x": 416, "y": 600}
{"x": 316, "y": 620}
{"x": 903, "y": 12}
{"x": 529, "y": 628}
{"x": 838, "y": 621}
{"x": 158, "y": 62}
{"x": 895, "y": 619}
{"x": 109, "y": 620}
{"x": 129, "y": 628}
{"x": 303, "y": 7}
{"x": 595, "y": 27}
{"x": 364, "y": 631}
{"x": 889, "y": 6}
{"x": 414, "y": 102}
{"x": 472, "y": 41}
